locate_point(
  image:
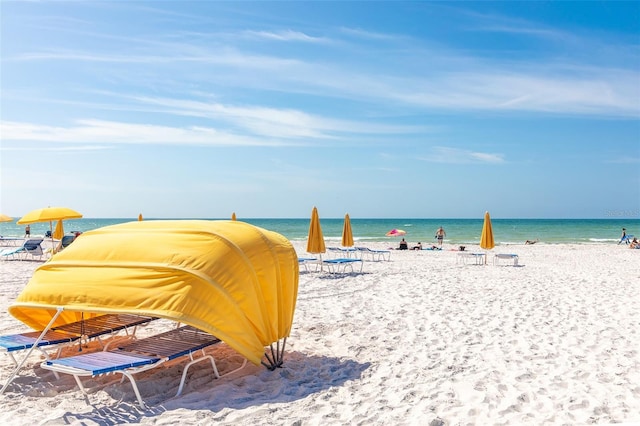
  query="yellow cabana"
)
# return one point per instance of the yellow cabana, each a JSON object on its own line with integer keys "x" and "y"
{"x": 229, "y": 278}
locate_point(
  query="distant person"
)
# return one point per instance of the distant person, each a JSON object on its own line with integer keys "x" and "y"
{"x": 27, "y": 231}
{"x": 440, "y": 234}
{"x": 530, "y": 242}
{"x": 403, "y": 245}
{"x": 634, "y": 243}
{"x": 623, "y": 237}
{"x": 417, "y": 246}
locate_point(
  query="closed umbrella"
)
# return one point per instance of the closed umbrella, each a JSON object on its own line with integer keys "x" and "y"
{"x": 486, "y": 238}
{"x": 59, "y": 231}
{"x": 347, "y": 233}
{"x": 140, "y": 217}
{"x": 233, "y": 216}
{"x": 315, "y": 240}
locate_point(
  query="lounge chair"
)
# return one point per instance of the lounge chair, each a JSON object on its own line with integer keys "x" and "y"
{"x": 10, "y": 241}
{"x": 374, "y": 255}
{"x": 140, "y": 355}
{"x": 506, "y": 256}
{"x": 65, "y": 242}
{"x": 57, "y": 337}
{"x": 306, "y": 261}
{"x": 343, "y": 251}
{"x": 30, "y": 247}
{"x": 464, "y": 256}
{"x": 341, "y": 265}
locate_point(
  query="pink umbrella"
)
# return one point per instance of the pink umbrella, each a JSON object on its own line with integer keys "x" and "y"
{"x": 395, "y": 233}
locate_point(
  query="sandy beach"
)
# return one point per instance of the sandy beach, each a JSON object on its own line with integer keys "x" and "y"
{"x": 421, "y": 339}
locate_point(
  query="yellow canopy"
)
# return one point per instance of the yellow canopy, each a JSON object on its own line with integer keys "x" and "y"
{"x": 229, "y": 278}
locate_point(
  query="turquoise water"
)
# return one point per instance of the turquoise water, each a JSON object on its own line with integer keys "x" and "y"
{"x": 459, "y": 231}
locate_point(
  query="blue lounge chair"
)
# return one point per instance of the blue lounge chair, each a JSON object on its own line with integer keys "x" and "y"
{"x": 140, "y": 355}
{"x": 374, "y": 255}
{"x": 57, "y": 337}
{"x": 30, "y": 247}
{"x": 341, "y": 265}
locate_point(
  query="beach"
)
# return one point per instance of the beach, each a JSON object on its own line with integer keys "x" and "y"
{"x": 422, "y": 339}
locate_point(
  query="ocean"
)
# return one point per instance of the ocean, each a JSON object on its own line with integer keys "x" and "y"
{"x": 459, "y": 231}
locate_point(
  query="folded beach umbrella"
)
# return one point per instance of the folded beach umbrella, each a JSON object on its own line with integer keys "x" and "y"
{"x": 347, "y": 233}
{"x": 231, "y": 279}
{"x": 140, "y": 217}
{"x": 58, "y": 233}
{"x": 233, "y": 216}
{"x": 486, "y": 238}
{"x": 315, "y": 239}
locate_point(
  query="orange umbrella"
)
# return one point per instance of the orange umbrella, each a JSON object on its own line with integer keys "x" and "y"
{"x": 140, "y": 217}
{"x": 315, "y": 240}
{"x": 347, "y": 233}
{"x": 486, "y": 238}
{"x": 233, "y": 216}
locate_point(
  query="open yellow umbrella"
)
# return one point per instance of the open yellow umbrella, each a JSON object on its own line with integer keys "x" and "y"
{"x": 486, "y": 238}
{"x": 5, "y": 218}
{"x": 315, "y": 240}
{"x": 347, "y": 233}
{"x": 49, "y": 214}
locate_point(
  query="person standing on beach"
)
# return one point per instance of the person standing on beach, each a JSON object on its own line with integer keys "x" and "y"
{"x": 27, "y": 231}
{"x": 440, "y": 234}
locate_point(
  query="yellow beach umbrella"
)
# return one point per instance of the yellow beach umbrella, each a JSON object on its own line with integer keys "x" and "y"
{"x": 59, "y": 231}
{"x": 5, "y": 218}
{"x": 347, "y": 233}
{"x": 140, "y": 217}
{"x": 49, "y": 214}
{"x": 233, "y": 216}
{"x": 315, "y": 240}
{"x": 486, "y": 238}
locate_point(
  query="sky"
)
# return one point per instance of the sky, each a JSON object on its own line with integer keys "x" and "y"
{"x": 194, "y": 109}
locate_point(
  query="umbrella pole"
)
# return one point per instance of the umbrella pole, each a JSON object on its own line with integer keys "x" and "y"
{"x": 53, "y": 247}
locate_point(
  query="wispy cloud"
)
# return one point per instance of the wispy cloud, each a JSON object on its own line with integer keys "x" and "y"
{"x": 286, "y": 35}
{"x": 441, "y": 154}
{"x": 111, "y": 132}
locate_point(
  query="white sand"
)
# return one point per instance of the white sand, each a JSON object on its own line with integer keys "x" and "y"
{"x": 418, "y": 340}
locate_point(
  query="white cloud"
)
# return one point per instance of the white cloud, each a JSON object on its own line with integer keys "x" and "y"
{"x": 441, "y": 154}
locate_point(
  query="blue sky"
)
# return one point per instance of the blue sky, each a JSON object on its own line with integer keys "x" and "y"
{"x": 376, "y": 109}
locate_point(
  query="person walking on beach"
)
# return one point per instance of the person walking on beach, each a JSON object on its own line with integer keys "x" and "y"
{"x": 440, "y": 234}
{"x": 623, "y": 237}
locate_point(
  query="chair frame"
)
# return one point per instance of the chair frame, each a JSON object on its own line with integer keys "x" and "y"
{"x": 67, "y": 334}
{"x": 142, "y": 355}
